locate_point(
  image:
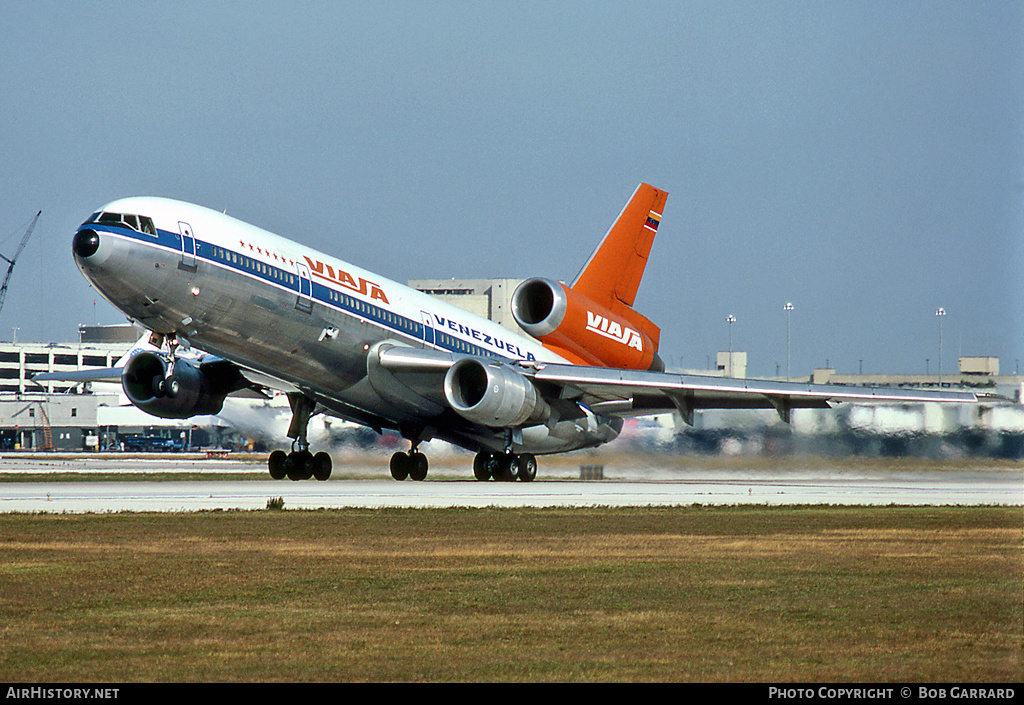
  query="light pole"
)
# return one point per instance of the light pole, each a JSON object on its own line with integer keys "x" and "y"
{"x": 788, "y": 308}
{"x": 730, "y": 320}
{"x": 940, "y": 313}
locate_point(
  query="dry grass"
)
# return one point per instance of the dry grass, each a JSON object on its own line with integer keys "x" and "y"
{"x": 721, "y": 594}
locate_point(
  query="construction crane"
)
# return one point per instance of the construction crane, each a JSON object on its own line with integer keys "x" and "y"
{"x": 12, "y": 260}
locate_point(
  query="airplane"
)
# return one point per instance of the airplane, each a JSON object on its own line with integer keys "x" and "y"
{"x": 231, "y": 308}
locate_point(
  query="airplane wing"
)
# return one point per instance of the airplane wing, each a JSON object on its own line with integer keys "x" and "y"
{"x": 99, "y": 374}
{"x": 109, "y": 374}
{"x": 632, "y": 392}
{"x": 622, "y": 393}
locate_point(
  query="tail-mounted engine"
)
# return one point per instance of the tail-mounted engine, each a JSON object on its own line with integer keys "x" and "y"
{"x": 493, "y": 395}
{"x": 179, "y": 391}
{"x": 583, "y": 331}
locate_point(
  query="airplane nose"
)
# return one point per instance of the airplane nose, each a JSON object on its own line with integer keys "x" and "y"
{"x": 86, "y": 243}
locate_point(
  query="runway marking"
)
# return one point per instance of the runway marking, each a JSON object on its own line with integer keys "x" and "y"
{"x": 926, "y": 489}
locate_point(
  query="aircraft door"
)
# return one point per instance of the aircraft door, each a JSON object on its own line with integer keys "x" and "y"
{"x": 305, "y": 300}
{"x": 428, "y": 330}
{"x": 188, "y": 247}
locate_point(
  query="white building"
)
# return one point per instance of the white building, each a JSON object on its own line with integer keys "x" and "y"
{"x": 490, "y": 298}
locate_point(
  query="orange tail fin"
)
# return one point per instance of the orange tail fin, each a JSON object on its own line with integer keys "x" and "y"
{"x": 611, "y": 277}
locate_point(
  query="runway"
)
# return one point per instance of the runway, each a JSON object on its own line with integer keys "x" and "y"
{"x": 642, "y": 487}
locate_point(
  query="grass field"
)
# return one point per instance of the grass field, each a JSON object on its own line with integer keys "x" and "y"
{"x": 681, "y": 594}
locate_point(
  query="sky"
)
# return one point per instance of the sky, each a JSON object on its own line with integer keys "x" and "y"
{"x": 861, "y": 160}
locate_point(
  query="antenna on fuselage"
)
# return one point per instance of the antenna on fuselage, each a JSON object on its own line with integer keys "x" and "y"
{"x": 12, "y": 260}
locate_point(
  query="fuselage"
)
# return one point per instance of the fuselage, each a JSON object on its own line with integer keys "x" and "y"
{"x": 299, "y": 316}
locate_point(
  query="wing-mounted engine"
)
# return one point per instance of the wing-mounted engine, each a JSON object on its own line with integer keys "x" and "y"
{"x": 179, "y": 390}
{"x": 492, "y": 394}
{"x": 583, "y": 331}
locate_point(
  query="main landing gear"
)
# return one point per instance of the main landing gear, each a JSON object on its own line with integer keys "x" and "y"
{"x": 505, "y": 467}
{"x": 412, "y": 465}
{"x": 299, "y": 464}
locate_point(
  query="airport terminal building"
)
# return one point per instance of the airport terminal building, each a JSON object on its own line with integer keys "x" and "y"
{"x": 64, "y": 416}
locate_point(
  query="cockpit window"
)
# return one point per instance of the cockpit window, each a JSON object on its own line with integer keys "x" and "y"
{"x": 140, "y": 223}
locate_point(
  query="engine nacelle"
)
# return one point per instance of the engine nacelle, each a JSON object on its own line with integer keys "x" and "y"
{"x": 187, "y": 391}
{"x": 583, "y": 331}
{"x": 493, "y": 395}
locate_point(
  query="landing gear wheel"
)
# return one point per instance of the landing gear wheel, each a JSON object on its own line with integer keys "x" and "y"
{"x": 322, "y": 466}
{"x": 171, "y": 387}
{"x": 304, "y": 460}
{"x": 291, "y": 468}
{"x": 483, "y": 466}
{"x": 508, "y": 469}
{"x": 400, "y": 466}
{"x": 418, "y": 466}
{"x": 299, "y": 465}
{"x": 276, "y": 463}
{"x": 527, "y": 467}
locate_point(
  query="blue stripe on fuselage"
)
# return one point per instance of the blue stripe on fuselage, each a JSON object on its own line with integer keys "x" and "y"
{"x": 288, "y": 280}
